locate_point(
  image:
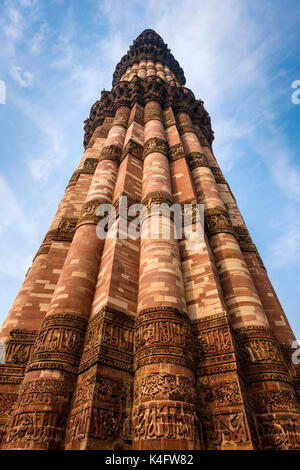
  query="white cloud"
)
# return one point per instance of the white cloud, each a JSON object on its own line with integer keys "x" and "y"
{"x": 23, "y": 78}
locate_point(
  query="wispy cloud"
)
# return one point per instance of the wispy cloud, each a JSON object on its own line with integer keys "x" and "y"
{"x": 22, "y": 77}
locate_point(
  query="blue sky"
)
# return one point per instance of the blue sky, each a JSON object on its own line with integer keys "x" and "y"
{"x": 241, "y": 57}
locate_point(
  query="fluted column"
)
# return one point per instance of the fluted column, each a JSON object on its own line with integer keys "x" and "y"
{"x": 103, "y": 394}
{"x": 164, "y": 415}
{"x": 223, "y": 421}
{"x": 263, "y": 365}
{"x": 51, "y": 372}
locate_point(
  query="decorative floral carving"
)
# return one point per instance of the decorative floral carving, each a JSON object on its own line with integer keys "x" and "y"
{"x": 7, "y": 402}
{"x": 218, "y": 395}
{"x": 165, "y": 386}
{"x": 134, "y": 148}
{"x": 217, "y": 221}
{"x": 196, "y": 160}
{"x": 155, "y": 145}
{"x": 111, "y": 152}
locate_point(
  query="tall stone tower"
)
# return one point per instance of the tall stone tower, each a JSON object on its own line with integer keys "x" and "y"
{"x": 144, "y": 343}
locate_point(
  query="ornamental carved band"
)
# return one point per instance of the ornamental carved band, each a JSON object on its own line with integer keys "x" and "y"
{"x": 110, "y": 416}
{"x": 59, "y": 343}
{"x": 176, "y": 152}
{"x": 244, "y": 239}
{"x": 219, "y": 177}
{"x": 64, "y": 233}
{"x": 163, "y": 335}
{"x": 154, "y": 144}
{"x": 196, "y": 160}
{"x": 164, "y": 386}
{"x": 19, "y": 346}
{"x": 176, "y": 421}
{"x": 111, "y": 152}
{"x": 109, "y": 340}
{"x": 152, "y": 111}
{"x": 156, "y": 198}
{"x": 89, "y": 167}
{"x": 133, "y": 148}
{"x": 217, "y": 221}
{"x": 224, "y": 430}
{"x": 213, "y": 345}
{"x": 260, "y": 355}
{"x": 88, "y": 214}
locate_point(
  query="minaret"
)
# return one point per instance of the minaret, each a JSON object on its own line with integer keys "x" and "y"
{"x": 147, "y": 342}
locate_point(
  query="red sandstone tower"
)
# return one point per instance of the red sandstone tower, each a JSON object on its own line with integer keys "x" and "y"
{"x": 146, "y": 343}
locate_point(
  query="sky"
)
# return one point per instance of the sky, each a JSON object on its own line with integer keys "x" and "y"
{"x": 240, "y": 56}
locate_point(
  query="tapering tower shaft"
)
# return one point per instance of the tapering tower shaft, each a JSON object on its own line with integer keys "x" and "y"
{"x": 133, "y": 340}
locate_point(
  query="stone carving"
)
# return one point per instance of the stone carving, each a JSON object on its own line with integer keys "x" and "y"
{"x": 103, "y": 388}
{"x": 154, "y": 144}
{"x": 163, "y": 334}
{"x": 19, "y": 346}
{"x": 221, "y": 430}
{"x": 165, "y": 421}
{"x": 137, "y": 115}
{"x": 109, "y": 340}
{"x": 156, "y": 198}
{"x": 219, "y": 177}
{"x": 96, "y": 423}
{"x": 88, "y": 213}
{"x": 66, "y": 229}
{"x": 134, "y": 148}
{"x": 269, "y": 401}
{"x": 196, "y": 160}
{"x": 213, "y": 345}
{"x": 152, "y": 111}
{"x": 40, "y": 426}
{"x": 46, "y": 244}
{"x": 257, "y": 351}
{"x": 89, "y": 167}
{"x": 74, "y": 178}
{"x": 64, "y": 232}
{"x": 111, "y": 152}
{"x": 110, "y": 420}
{"x": 168, "y": 118}
{"x": 148, "y": 89}
{"x": 176, "y": 152}
{"x": 147, "y": 46}
{"x": 123, "y": 114}
{"x": 279, "y": 433}
{"x": 7, "y": 402}
{"x": 217, "y": 221}
{"x": 260, "y": 355}
{"x": 184, "y": 127}
{"x": 218, "y": 395}
{"x": 45, "y": 391}
{"x": 164, "y": 386}
{"x": 244, "y": 239}
{"x": 59, "y": 343}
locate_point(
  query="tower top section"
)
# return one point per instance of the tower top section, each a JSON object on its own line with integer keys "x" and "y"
{"x": 148, "y": 46}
